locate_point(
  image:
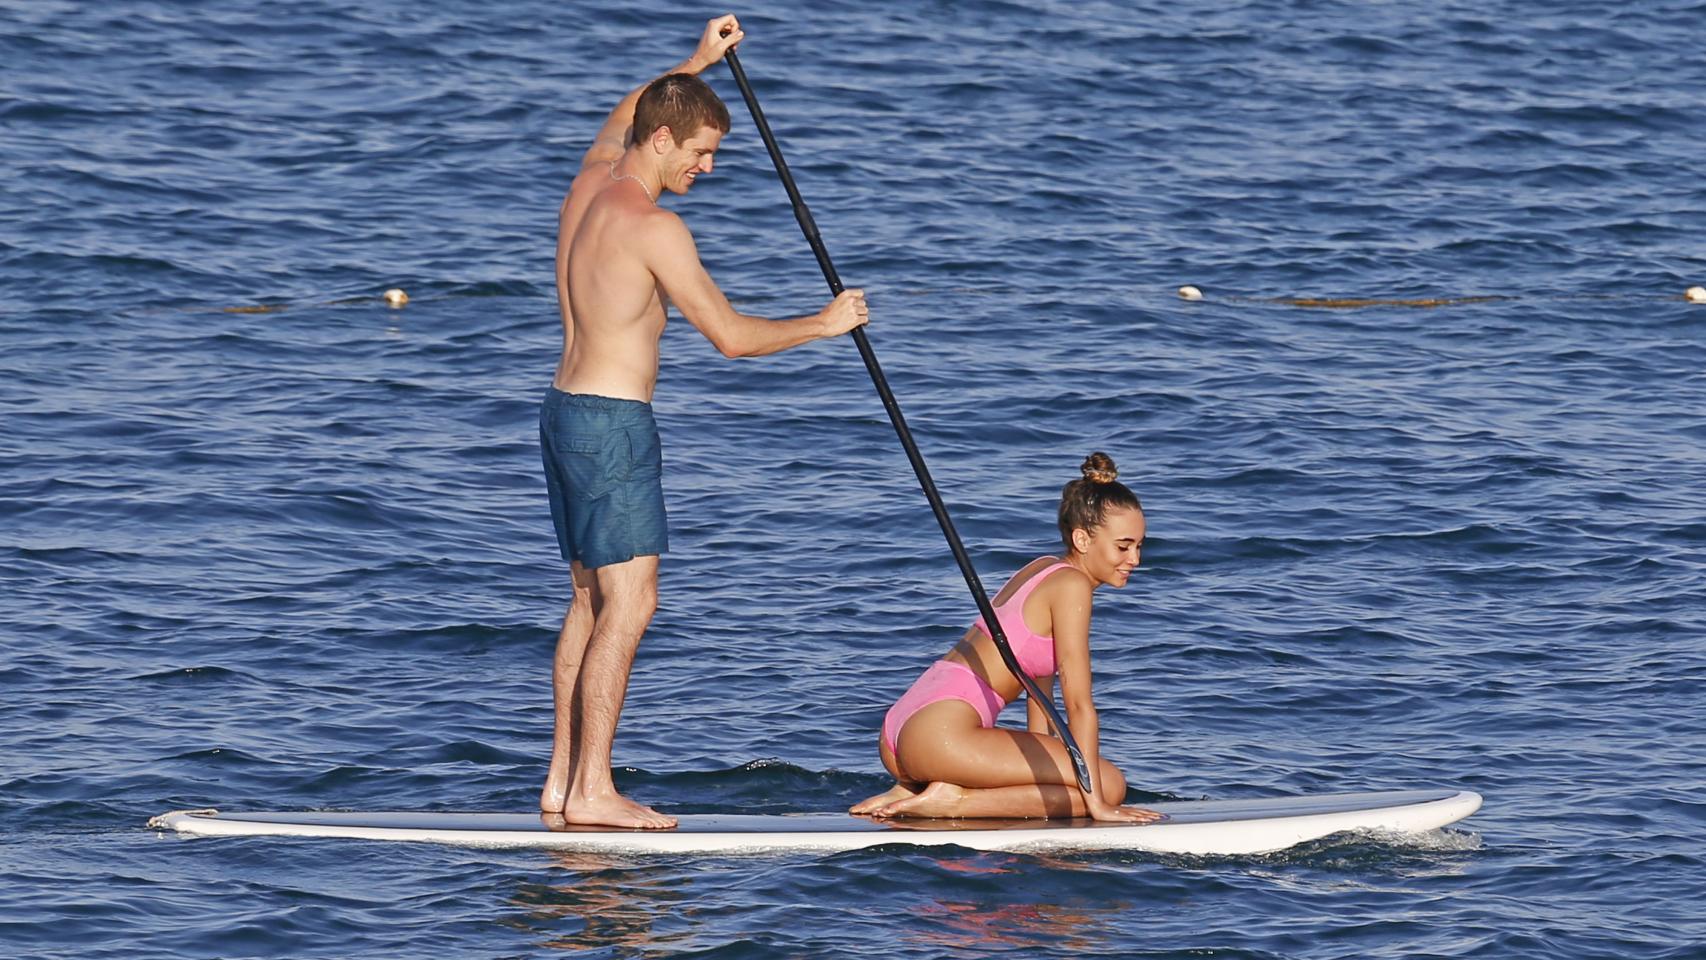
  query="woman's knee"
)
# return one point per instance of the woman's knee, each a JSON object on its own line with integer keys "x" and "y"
{"x": 1113, "y": 783}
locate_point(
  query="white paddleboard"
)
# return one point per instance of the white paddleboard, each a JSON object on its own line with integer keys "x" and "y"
{"x": 1205, "y": 827}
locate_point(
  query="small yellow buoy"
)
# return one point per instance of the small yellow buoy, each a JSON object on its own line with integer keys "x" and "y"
{"x": 396, "y": 297}
{"x": 1696, "y": 294}
{"x": 1189, "y": 293}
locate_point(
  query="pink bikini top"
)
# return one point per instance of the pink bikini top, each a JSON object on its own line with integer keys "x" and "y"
{"x": 1035, "y": 653}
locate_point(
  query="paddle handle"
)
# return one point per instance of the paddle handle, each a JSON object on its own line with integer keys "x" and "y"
{"x": 979, "y": 596}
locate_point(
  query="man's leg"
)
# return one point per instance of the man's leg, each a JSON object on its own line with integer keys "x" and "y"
{"x": 629, "y": 591}
{"x": 565, "y": 670}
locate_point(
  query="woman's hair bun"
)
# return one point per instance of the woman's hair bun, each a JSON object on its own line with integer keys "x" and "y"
{"x": 1084, "y": 504}
{"x": 1099, "y": 468}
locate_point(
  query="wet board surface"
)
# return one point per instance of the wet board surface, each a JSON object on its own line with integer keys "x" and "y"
{"x": 1205, "y": 827}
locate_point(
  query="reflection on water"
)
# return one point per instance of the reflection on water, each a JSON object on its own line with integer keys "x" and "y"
{"x": 968, "y": 924}
{"x": 955, "y": 923}
{"x": 630, "y": 907}
{"x": 605, "y": 902}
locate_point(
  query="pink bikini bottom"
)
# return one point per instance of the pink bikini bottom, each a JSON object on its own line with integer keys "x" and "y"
{"x": 945, "y": 680}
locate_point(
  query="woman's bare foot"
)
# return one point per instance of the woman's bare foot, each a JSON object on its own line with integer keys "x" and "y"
{"x": 939, "y": 799}
{"x": 614, "y": 810}
{"x": 899, "y": 791}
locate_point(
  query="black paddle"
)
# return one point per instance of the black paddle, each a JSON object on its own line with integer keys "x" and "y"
{"x": 912, "y": 454}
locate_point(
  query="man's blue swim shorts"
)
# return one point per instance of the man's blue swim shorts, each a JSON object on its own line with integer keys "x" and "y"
{"x": 604, "y": 471}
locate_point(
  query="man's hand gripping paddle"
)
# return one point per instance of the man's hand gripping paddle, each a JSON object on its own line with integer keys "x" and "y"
{"x": 982, "y": 599}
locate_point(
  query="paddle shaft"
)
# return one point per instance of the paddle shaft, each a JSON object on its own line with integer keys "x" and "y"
{"x": 996, "y": 633}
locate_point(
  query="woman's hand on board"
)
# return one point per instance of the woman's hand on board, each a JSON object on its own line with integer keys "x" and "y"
{"x": 1105, "y": 813}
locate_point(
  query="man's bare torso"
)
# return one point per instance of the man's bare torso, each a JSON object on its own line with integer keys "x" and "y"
{"x": 613, "y": 314}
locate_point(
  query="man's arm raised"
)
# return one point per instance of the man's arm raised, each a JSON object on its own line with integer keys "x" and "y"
{"x": 612, "y": 138}
{"x": 673, "y": 258}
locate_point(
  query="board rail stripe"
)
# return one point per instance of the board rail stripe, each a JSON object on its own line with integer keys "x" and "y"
{"x": 1208, "y": 827}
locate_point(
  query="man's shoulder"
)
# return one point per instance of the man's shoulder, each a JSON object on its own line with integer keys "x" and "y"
{"x": 592, "y": 190}
{"x": 607, "y": 224}
{"x": 653, "y": 223}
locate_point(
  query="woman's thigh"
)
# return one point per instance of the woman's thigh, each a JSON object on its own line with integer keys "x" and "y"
{"x": 946, "y": 741}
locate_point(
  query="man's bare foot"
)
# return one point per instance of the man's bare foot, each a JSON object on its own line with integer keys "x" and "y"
{"x": 899, "y": 791}
{"x": 939, "y": 799}
{"x": 556, "y": 792}
{"x": 614, "y": 810}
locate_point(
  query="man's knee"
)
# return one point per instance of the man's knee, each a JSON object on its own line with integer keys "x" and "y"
{"x": 629, "y": 591}
{"x": 584, "y": 587}
{"x": 585, "y": 600}
{"x": 631, "y": 614}
{"x": 643, "y": 602}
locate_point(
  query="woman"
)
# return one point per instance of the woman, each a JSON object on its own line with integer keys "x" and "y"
{"x": 940, "y": 740}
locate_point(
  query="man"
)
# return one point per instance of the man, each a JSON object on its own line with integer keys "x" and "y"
{"x": 619, "y": 259}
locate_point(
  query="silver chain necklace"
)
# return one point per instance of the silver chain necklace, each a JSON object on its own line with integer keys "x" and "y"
{"x": 629, "y": 176}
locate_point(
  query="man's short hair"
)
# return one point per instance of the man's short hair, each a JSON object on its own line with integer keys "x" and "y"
{"x": 683, "y": 103}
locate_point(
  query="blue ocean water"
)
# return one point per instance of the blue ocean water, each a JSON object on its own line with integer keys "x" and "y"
{"x": 301, "y": 557}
